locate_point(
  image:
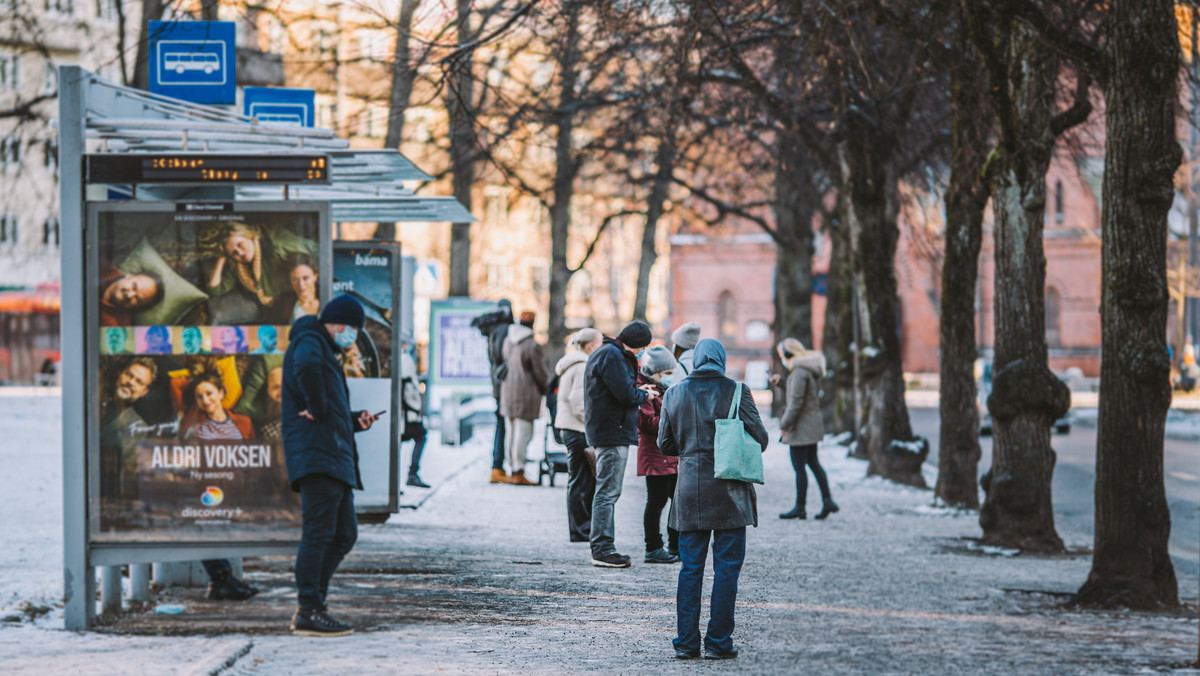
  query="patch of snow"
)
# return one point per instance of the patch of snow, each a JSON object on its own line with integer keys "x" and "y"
{"x": 992, "y": 551}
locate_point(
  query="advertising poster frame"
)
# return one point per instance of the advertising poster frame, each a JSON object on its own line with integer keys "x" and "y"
{"x": 461, "y": 311}
{"x": 396, "y": 418}
{"x": 152, "y": 547}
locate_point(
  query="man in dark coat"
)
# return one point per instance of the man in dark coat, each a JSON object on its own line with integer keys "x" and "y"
{"x": 705, "y": 507}
{"x": 496, "y": 334}
{"x": 322, "y": 460}
{"x": 610, "y": 422}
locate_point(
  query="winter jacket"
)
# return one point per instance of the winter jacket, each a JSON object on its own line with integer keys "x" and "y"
{"x": 523, "y": 387}
{"x": 496, "y": 356}
{"x": 685, "y": 360}
{"x": 649, "y": 459}
{"x": 801, "y": 422}
{"x": 611, "y": 396}
{"x": 686, "y": 429}
{"x": 411, "y": 399}
{"x": 570, "y": 391}
{"x": 313, "y": 380}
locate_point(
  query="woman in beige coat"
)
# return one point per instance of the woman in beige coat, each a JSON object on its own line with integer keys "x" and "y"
{"x": 581, "y": 482}
{"x": 801, "y": 426}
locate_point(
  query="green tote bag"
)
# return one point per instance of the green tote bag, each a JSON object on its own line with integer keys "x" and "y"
{"x": 736, "y": 455}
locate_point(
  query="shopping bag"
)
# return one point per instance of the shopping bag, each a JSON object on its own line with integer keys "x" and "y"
{"x": 736, "y": 455}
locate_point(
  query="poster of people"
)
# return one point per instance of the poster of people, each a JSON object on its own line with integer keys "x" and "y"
{"x": 369, "y": 272}
{"x": 191, "y": 311}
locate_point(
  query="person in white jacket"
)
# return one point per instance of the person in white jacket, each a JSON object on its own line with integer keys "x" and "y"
{"x": 581, "y": 482}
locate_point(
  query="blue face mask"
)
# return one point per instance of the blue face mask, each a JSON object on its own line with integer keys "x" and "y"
{"x": 346, "y": 338}
{"x": 641, "y": 354}
{"x": 667, "y": 380}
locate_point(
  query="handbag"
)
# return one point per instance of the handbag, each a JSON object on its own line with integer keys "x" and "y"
{"x": 736, "y": 455}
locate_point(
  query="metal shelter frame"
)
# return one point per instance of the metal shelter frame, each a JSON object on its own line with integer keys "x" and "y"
{"x": 102, "y": 117}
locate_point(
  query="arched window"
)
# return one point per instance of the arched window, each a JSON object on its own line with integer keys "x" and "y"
{"x": 1053, "y": 317}
{"x": 727, "y": 317}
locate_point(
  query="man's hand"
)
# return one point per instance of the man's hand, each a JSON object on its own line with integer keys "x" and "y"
{"x": 651, "y": 392}
{"x": 775, "y": 378}
{"x": 306, "y": 414}
{"x": 365, "y": 420}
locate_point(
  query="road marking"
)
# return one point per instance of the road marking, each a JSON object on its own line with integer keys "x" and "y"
{"x": 1184, "y": 476}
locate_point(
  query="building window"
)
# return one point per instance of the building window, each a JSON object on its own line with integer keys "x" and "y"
{"x": 50, "y": 231}
{"x": 49, "y": 77}
{"x": 1053, "y": 317}
{"x": 10, "y": 152}
{"x": 580, "y": 286}
{"x": 8, "y": 229}
{"x": 50, "y": 156}
{"x": 499, "y": 278}
{"x": 325, "y": 44}
{"x": 1058, "y": 202}
{"x": 374, "y": 44}
{"x": 10, "y": 72}
{"x": 539, "y": 278}
{"x": 63, "y": 7}
{"x": 757, "y": 331}
{"x": 495, "y": 207}
{"x": 727, "y": 317}
{"x": 615, "y": 287}
{"x": 106, "y": 10}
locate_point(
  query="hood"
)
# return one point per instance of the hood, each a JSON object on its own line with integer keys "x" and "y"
{"x": 517, "y": 333}
{"x": 710, "y": 356}
{"x": 570, "y": 359}
{"x": 812, "y": 361}
{"x": 310, "y": 324}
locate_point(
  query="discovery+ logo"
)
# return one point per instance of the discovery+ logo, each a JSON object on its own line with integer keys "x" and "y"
{"x": 212, "y": 496}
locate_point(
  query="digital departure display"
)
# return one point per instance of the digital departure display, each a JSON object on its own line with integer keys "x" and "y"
{"x": 198, "y": 168}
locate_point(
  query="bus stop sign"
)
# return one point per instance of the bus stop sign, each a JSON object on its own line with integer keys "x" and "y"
{"x": 280, "y": 105}
{"x": 193, "y": 61}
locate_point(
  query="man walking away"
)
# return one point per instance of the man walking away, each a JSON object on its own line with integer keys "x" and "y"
{"x": 707, "y": 508}
{"x": 684, "y": 339}
{"x": 521, "y": 394}
{"x": 322, "y": 460}
{"x": 413, "y": 403}
{"x": 496, "y": 333}
{"x": 581, "y": 483}
{"x": 613, "y": 399}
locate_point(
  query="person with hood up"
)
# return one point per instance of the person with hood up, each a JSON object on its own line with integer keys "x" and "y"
{"x": 610, "y": 423}
{"x": 706, "y": 508}
{"x": 322, "y": 459}
{"x": 581, "y": 482}
{"x": 684, "y": 341}
{"x": 658, "y": 371}
{"x": 801, "y": 426}
{"x": 496, "y": 333}
{"x": 521, "y": 394}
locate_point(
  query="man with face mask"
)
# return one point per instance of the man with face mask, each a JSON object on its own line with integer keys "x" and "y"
{"x": 322, "y": 460}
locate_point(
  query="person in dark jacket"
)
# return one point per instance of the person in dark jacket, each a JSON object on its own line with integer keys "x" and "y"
{"x": 706, "y": 508}
{"x": 322, "y": 460}
{"x": 496, "y": 333}
{"x": 612, "y": 399}
{"x": 658, "y": 371}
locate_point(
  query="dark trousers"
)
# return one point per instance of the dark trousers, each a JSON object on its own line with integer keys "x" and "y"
{"x": 498, "y": 442}
{"x": 659, "y": 489}
{"x": 729, "y": 551}
{"x": 415, "y": 432}
{"x": 581, "y": 487}
{"x": 329, "y": 531}
{"x": 217, "y": 567}
{"x": 802, "y": 456}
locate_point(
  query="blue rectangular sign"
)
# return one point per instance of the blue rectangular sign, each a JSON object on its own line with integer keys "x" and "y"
{"x": 193, "y": 61}
{"x": 280, "y": 105}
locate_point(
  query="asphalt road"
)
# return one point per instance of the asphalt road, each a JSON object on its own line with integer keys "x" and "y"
{"x": 1075, "y": 477}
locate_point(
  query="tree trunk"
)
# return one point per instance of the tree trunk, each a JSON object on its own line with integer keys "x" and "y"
{"x": 209, "y": 10}
{"x": 838, "y": 402}
{"x": 152, "y": 10}
{"x": 868, "y": 175}
{"x": 665, "y": 162}
{"x": 1131, "y": 566}
{"x": 966, "y": 198}
{"x": 794, "y": 208}
{"x": 1026, "y": 397}
{"x": 404, "y": 74}
{"x": 459, "y": 105}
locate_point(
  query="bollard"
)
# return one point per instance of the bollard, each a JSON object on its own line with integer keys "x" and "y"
{"x": 110, "y": 589}
{"x": 139, "y": 582}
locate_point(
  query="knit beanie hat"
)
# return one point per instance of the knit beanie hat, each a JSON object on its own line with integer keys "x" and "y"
{"x": 636, "y": 334}
{"x": 343, "y": 310}
{"x": 686, "y": 336}
{"x": 528, "y": 317}
{"x": 657, "y": 360}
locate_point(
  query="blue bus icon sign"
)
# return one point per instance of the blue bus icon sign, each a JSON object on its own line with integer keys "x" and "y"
{"x": 280, "y": 105}
{"x": 193, "y": 60}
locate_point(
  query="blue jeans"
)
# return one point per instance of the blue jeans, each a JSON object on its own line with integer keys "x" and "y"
{"x": 498, "y": 441}
{"x": 329, "y": 532}
{"x": 610, "y": 478}
{"x": 729, "y": 552}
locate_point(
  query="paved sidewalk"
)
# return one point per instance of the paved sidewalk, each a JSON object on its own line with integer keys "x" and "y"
{"x": 481, "y": 580}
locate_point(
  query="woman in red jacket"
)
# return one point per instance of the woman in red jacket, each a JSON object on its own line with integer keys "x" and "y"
{"x": 658, "y": 371}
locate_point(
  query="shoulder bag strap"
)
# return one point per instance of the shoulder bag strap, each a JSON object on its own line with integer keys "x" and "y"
{"x": 737, "y": 400}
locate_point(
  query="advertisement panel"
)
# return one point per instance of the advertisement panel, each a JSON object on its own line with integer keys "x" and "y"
{"x": 370, "y": 272}
{"x": 190, "y": 307}
{"x": 458, "y": 359}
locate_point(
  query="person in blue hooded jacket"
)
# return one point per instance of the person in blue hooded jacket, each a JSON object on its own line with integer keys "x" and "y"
{"x": 322, "y": 460}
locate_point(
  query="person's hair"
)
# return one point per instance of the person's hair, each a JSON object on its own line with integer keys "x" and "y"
{"x": 238, "y": 228}
{"x": 210, "y": 378}
{"x": 146, "y": 363}
{"x": 238, "y": 331}
{"x": 296, "y": 260}
{"x": 159, "y": 331}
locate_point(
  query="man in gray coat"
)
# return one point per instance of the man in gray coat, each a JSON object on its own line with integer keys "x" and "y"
{"x": 706, "y": 508}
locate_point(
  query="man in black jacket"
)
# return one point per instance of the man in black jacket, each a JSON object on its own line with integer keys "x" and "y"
{"x": 494, "y": 326}
{"x": 322, "y": 459}
{"x": 610, "y": 420}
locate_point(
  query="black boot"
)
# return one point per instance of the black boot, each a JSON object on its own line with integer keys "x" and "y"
{"x": 414, "y": 480}
{"x": 225, "y": 587}
{"x": 796, "y": 513}
{"x": 828, "y": 508}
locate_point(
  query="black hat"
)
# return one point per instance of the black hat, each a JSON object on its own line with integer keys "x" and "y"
{"x": 636, "y": 334}
{"x": 343, "y": 310}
